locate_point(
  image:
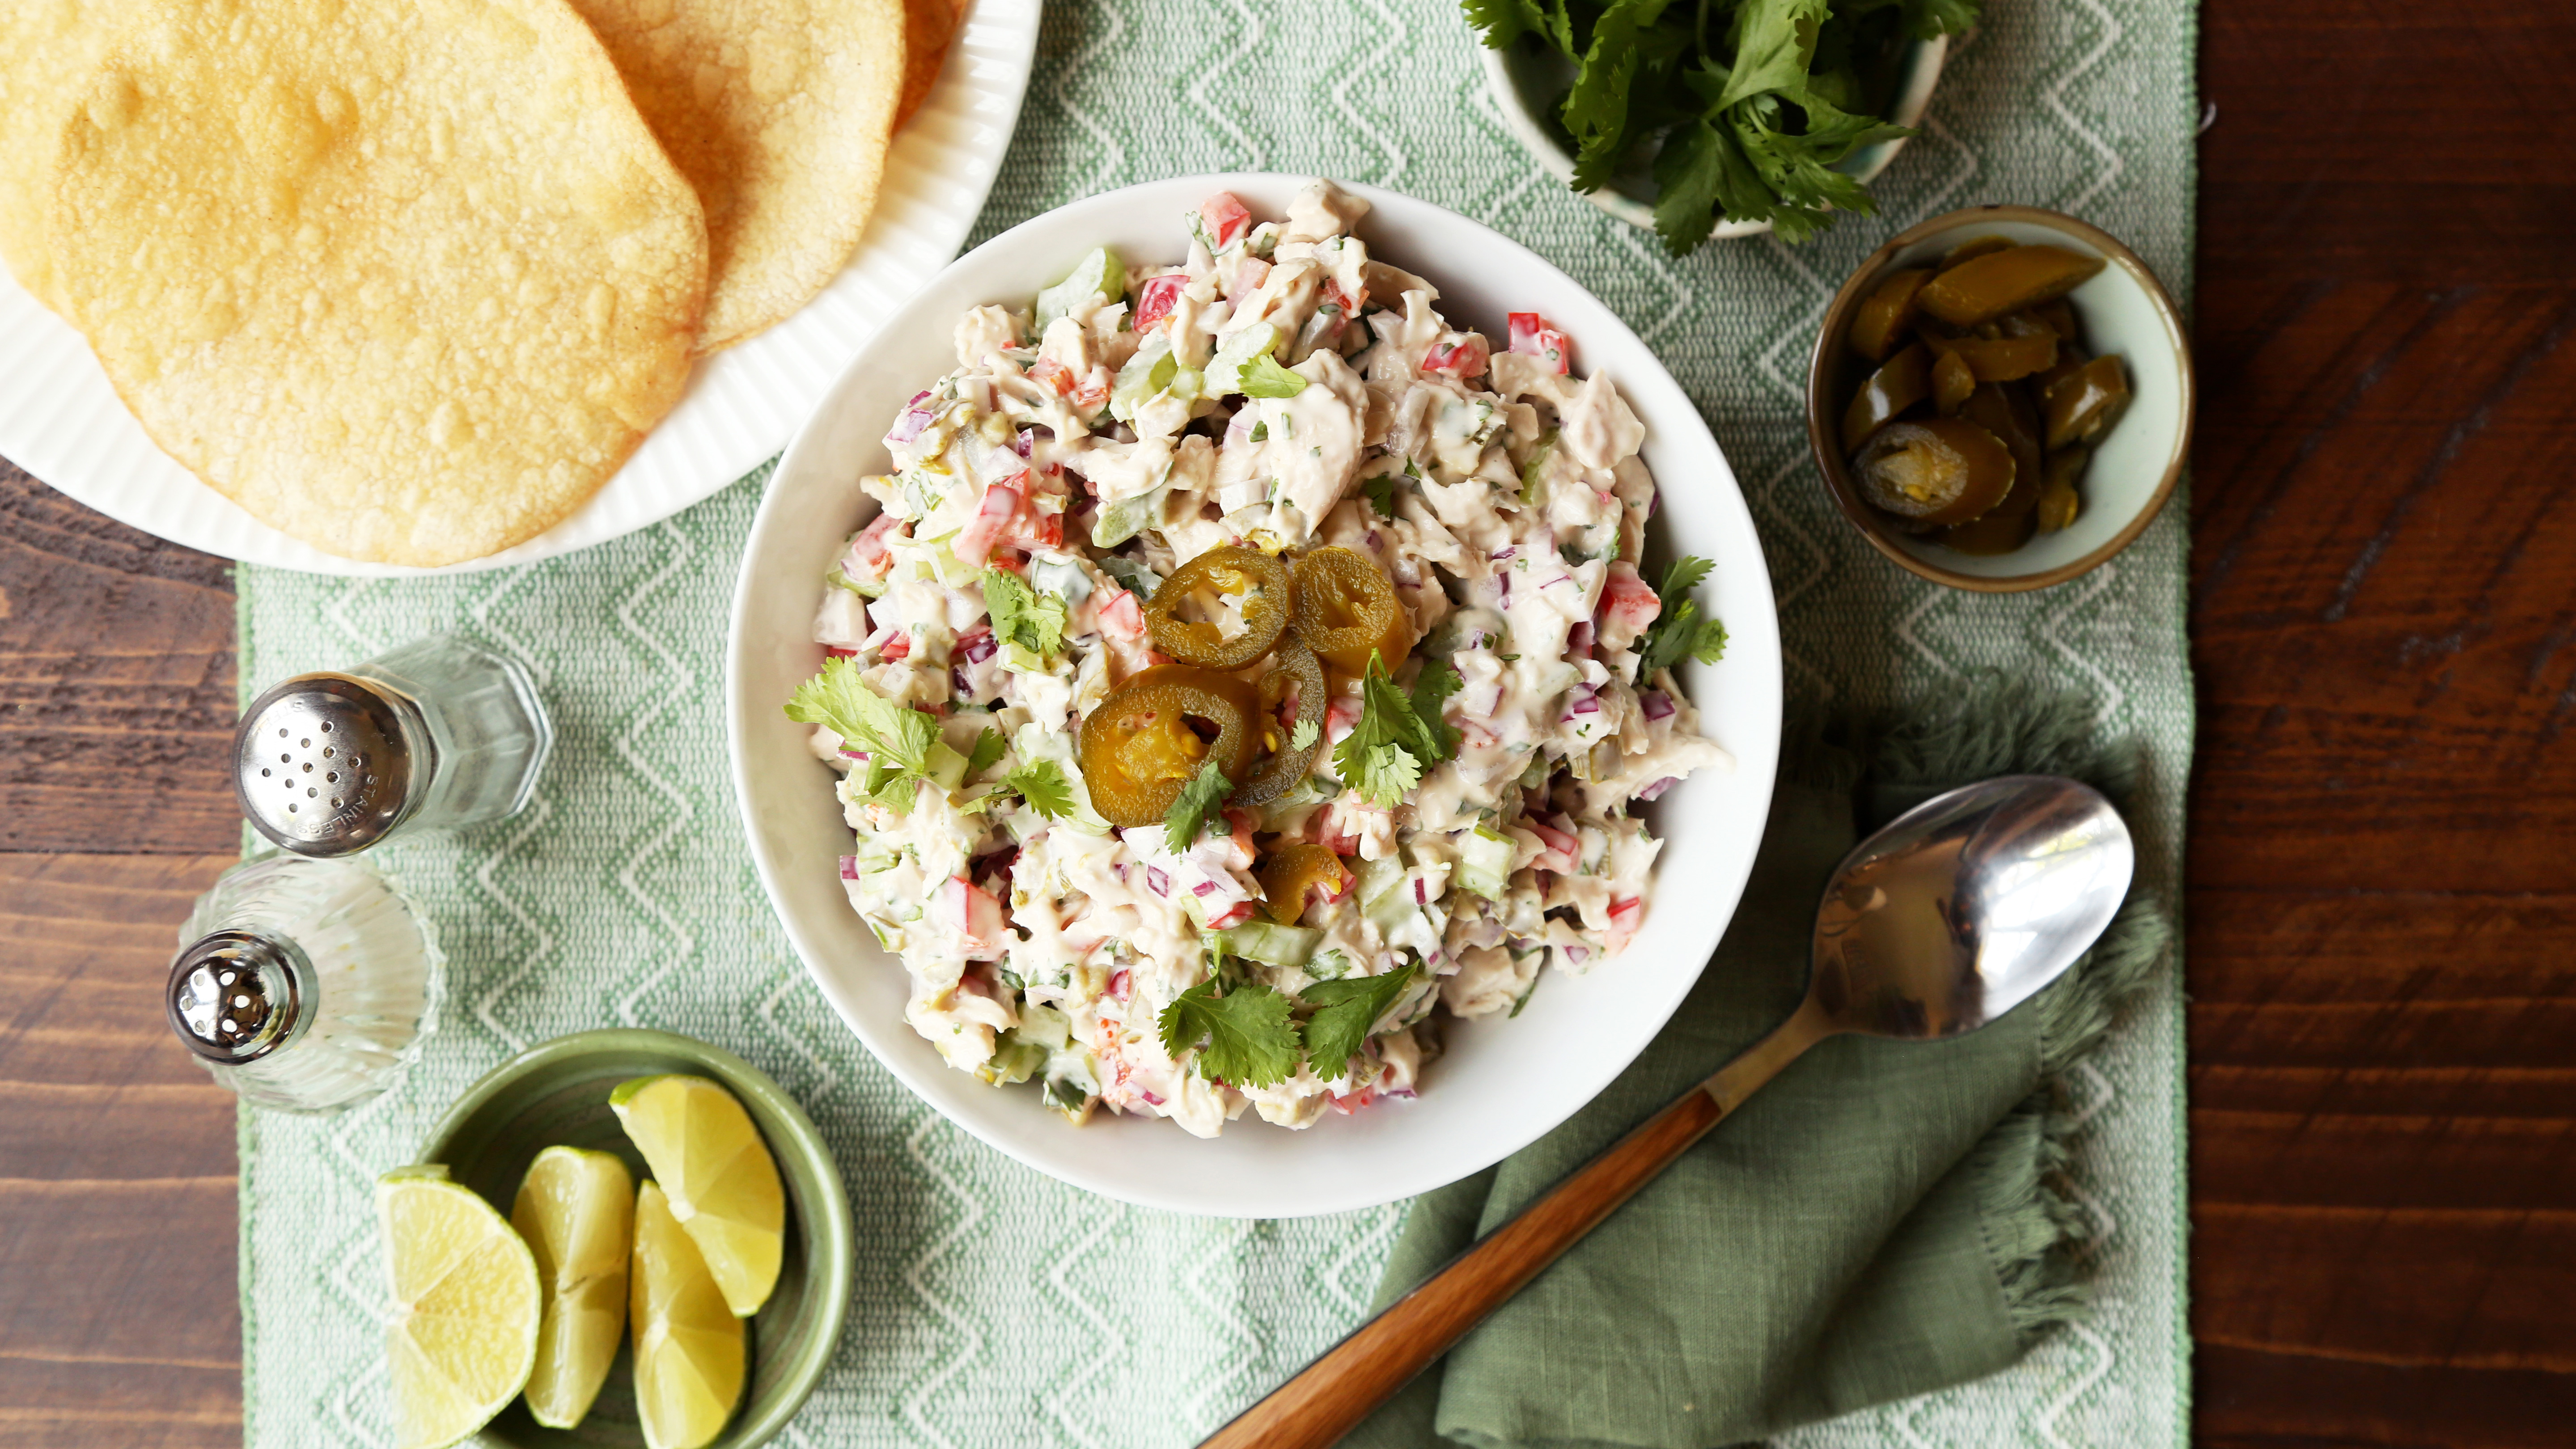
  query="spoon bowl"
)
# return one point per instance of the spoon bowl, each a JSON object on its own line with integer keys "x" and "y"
{"x": 1962, "y": 907}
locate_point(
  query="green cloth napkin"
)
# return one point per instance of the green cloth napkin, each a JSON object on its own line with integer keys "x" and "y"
{"x": 1877, "y": 1223}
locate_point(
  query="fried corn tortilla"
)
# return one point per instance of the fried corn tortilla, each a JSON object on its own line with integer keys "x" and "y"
{"x": 928, "y": 28}
{"x": 406, "y": 279}
{"x": 779, "y": 112}
{"x": 48, "y": 49}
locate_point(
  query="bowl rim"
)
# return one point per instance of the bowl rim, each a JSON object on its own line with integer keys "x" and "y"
{"x": 835, "y": 1249}
{"x": 1925, "y": 61}
{"x": 1821, "y": 438}
{"x": 1757, "y": 755}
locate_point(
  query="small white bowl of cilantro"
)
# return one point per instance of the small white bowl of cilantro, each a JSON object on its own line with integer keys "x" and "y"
{"x": 1708, "y": 119}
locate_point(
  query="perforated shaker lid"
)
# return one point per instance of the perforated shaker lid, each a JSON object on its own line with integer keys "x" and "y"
{"x": 324, "y": 764}
{"x": 236, "y": 996}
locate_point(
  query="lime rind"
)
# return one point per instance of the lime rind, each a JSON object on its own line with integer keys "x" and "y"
{"x": 463, "y": 1335}
{"x": 575, "y": 1208}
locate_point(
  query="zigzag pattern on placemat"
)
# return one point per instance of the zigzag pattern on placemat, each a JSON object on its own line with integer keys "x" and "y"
{"x": 995, "y": 1308}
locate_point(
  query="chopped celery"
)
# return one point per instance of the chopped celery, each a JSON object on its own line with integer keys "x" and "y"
{"x": 1271, "y": 944}
{"x": 1013, "y": 1060}
{"x": 1484, "y": 863}
{"x": 1132, "y": 576}
{"x": 1329, "y": 966}
{"x": 1147, "y": 373}
{"x": 947, "y": 767}
{"x": 1124, "y": 519}
{"x": 1061, "y": 576}
{"x": 1536, "y": 468}
{"x": 1098, "y": 273}
{"x": 1045, "y": 1026}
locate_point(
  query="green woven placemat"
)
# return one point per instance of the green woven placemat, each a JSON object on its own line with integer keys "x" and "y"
{"x": 995, "y": 1307}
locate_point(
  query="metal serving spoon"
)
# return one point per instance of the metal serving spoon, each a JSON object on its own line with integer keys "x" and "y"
{"x": 1956, "y": 913}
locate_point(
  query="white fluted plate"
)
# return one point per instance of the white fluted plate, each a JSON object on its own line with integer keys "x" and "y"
{"x": 61, "y": 420}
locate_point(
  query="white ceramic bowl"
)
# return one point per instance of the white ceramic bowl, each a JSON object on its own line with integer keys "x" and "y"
{"x": 2125, "y": 311}
{"x": 1523, "y": 78}
{"x": 1503, "y": 1082}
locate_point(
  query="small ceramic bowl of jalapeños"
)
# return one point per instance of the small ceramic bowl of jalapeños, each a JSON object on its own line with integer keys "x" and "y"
{"x": 2001, "y": 398}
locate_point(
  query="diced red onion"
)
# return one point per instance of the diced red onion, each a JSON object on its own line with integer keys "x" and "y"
{"x": 1579, "y": 638}
{"x": 1120, "y": 867}
{"x": 1503, "y": 553}
{"x": 1656, "y": 790}
{"x": 1656, "y": 704}
{"x": 1150, "y": 1099}
{"x": 1372, "y": 540}
{"x": 1503, "y": 589}
{"x": 1583, "y": 700}
{"x": 1157, "y": 882}
{"x": 1578, "y": 954}
{"x": 979, "y": 648}
{"x": 849, "y": 867}
{"x": 958, "y": 681}
{"x": 1651, "y": 500}
{"x": 1421, "y": 891}
{"x": 909, "y": 426}
{"x": 859, "y": 755}
{"x": 1120, "y": 983}
{"x": 1025, "y": 444}
{"x": 1204, "y": 888}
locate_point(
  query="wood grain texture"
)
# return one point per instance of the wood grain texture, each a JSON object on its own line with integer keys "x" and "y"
{"x": 2382, "y": 913}
{"x": 118, "y": 1321}
{"x": 116, "y": 683}
{"x": 2382, "y": 946}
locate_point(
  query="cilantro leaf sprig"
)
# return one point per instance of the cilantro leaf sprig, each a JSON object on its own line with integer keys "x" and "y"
{"x": 1021, "y": 615}
{"x": 1399, "y": 734}
{"x": 1189, "y": 814}
{"x": 1246, "y": 1037}
{"x": 1042, "y": 787}
{"x": 1345, "y": 1010}
{"x": 1679, "y": 632}
{"x": 897, "y": 738}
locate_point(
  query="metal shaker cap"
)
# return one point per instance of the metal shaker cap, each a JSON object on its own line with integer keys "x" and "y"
{"x": 325, "y": 764}
{"x": 236, "y": 996}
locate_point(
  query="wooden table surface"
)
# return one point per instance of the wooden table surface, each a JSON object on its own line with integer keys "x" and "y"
{"x": 2382, "y": 941}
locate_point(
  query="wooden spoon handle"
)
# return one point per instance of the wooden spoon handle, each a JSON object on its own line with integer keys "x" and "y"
{"x": 1329, "y": 1397}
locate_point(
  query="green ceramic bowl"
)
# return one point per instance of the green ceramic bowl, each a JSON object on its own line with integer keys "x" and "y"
{"x": 557, "y": 1093}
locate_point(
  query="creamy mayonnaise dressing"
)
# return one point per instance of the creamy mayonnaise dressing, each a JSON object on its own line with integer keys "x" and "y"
{"x": 1094, "y": 454}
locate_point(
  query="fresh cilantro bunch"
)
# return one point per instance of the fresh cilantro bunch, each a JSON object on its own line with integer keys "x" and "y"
{"x": 1249, "y": 1035}
{"x": 1399, "y": 735}
{"x": 898, "y": 739}
{"x": 1679, "y": 632}
{"x": 1744, "y": 106}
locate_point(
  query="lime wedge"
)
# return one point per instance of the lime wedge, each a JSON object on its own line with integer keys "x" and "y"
{"x": 721, "y": 1180}
{"x": 688, "y": 1343}
{"x": 576, "y": 1210}
{"x": 464, "y": 1331}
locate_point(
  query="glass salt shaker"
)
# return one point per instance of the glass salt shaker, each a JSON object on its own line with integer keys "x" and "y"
{"x": 435, "y": 734}
{"x": 304, "y": 985}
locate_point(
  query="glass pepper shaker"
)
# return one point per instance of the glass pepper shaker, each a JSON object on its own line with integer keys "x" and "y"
{"x": 304, "y": 985}
{"x": 438, "y": 733}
